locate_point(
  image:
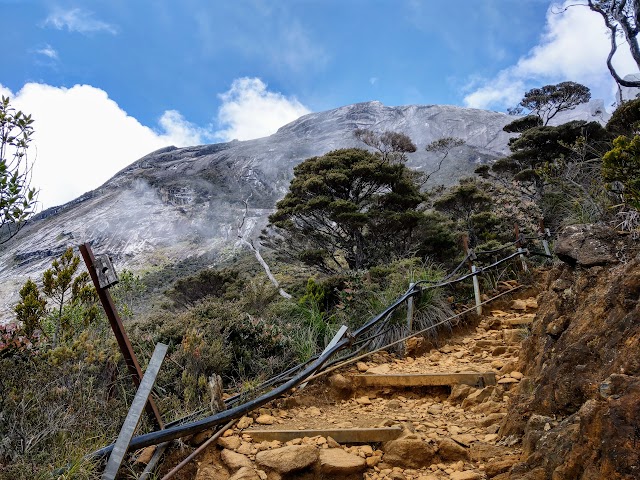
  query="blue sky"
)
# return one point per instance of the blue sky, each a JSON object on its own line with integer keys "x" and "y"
{"x": 109, "y": 81}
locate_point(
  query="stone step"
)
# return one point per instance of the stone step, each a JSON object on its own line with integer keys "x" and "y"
{"x": 425, "y": 380}
{"x": 523, "y": 320}
{"x": 340, "y": 435}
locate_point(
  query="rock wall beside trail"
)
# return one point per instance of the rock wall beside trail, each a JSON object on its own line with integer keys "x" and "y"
{"x": 578, "y": 407}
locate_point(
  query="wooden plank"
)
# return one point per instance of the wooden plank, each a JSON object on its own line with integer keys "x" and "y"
{"x": 340, "y": 435}
{"x": 425, "y": 380}
{"x": 133, "y": 416}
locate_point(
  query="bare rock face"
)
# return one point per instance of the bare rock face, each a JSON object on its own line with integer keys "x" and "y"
{"x": 578, "y": 411}
{"x": 288, "y": 459}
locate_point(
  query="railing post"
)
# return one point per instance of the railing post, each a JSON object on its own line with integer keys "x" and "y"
{"x": 476, "y": 283}
{"x": 545, "y": 233}
{"x": 520, "y": 242}
{"x": 410, "y": 308}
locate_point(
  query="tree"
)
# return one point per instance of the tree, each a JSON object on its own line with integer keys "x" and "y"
{"x": 541, "y": 145}
{"x": 348, "y": 207}
{"x": 31, "y": 308}
{"x": 622, "y": 18}
{"x": 546, "y": 102}
{"x": 17, "y": 198}
{"x": 391, "y": 146}
{"x": 64, "y": 287}
{"x": 442, "y": 146}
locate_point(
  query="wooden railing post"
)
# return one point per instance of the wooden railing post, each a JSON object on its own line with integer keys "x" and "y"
{"x": 476, "y": 283}
{"x": 520, "y": 242}
{"x": 410, "y": 308}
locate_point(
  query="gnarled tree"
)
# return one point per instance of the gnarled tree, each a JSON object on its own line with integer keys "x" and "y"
{"x": 622, "y": 18}
{"x": 546, "y": 102}
{"x": 391, "y": 146}
{"x": 348, "y": 208}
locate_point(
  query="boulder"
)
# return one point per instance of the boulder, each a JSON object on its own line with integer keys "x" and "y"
{"x": 231, "y": 443}
{"x": 244, "y": 422}
{"x": 408, "y": 453}
{"x": 451, "y": 451}
{"x": 459, "y": 392}
{"x": 288, "y": 459}
{"x": 336, "y": 461}
{"x": 466, "y": 475}
{"x": 477, "y": 397}
{"x": 245, "y": 473}
{"x": 586, "y": 245}
{"x": 497, "y": 467}
{"x": 234, "y": 461}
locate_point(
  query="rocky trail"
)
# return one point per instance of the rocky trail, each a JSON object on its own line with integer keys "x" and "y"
{"x": 446, "y": 431}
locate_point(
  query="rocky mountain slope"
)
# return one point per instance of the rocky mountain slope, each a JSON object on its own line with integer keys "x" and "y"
{"x": 578, "y": 406}
{"x": 176, "y": 203}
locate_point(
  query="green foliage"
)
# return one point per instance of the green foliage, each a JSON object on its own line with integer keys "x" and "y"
{"x": 546, "y": 102}
{"x": 438, "y": 239}
{"x": 348, "y": 208}
{"x": 625, "y": 120}
{"x": 59, "y": 405}
{"x": 539, "y": 147}
{"x": 390, "y": 146}
{"x": 73, "y": 295}
{"x": 17, "y": 198}
{"x": 622, "y": 164}
{"x": 31, "y": 308}
{"x": 463, "y": 203}
{"x": 208, "y": 282}
{"x": 127, "y": 293}
{"x": 523, "y": 124}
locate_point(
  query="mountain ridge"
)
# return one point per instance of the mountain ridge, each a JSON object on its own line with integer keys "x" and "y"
{"x": 174, "y": 202}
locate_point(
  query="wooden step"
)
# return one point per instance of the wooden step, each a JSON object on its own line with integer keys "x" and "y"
{"x": 425, "y": 380}
{"x": 340, "y": 435}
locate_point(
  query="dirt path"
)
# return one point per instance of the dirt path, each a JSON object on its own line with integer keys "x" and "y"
{"x": 447, "y": 432}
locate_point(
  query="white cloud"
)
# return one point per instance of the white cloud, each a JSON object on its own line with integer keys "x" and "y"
{"x": 78, "y": 20}
{"x": 48, "y": 51}
{"x": 373, "y": 80}
{"x": 82, "y": 138}
{"x": 574, "y": 46}
{"x": 249, "y": 110}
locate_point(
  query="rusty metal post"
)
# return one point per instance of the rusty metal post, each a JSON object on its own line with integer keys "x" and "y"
{"x": 520, "y": 241}
{"x": 118, "y": 330}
